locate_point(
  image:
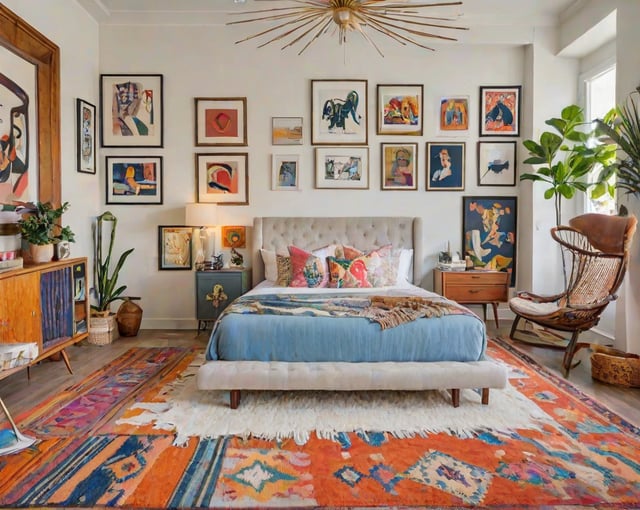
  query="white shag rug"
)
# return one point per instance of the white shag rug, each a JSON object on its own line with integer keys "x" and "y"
{"x": 297, "y": 414}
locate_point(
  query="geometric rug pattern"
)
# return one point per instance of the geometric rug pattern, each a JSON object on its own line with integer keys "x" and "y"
{"x": 587, "y": 457}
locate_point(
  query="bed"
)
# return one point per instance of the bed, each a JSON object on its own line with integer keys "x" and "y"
{"x": 296, "y": 338}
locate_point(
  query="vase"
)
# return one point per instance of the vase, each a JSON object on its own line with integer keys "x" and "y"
{"x": 41, "y": 252}
{"x": 129, "y": 317}
{"x": 61, "y": 250}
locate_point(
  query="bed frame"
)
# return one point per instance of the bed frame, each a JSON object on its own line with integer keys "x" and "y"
{"x": 277, "y": 233}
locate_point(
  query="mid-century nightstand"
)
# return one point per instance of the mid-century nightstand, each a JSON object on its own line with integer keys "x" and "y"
{"x": 474, "y": 287}
{"x": 215, "y": 290}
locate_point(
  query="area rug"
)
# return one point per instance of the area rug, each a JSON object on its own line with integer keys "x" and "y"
{"x": 85, "y": 406}
{"x": 180, "y": 408}
{"x": 580, "y": 456}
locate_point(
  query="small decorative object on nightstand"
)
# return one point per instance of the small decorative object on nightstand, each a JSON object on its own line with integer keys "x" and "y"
{"x": 480, "y": 287}
{"x": 215, "y": 290}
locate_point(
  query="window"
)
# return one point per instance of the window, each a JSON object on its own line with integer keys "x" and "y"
{"x": 599, "y": 97}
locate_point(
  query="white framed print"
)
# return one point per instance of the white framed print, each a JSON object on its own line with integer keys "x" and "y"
{"x": 342, "y": 167}
{"x": 285, "y": 172}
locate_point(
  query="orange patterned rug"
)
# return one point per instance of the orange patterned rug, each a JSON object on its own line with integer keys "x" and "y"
{"x": 582, "y": 456}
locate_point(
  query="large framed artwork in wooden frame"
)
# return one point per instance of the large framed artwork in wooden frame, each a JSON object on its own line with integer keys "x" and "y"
{"x": 20, "y": 40}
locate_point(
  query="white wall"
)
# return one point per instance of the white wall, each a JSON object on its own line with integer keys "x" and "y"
{"x": 76, "y": 33}
{"x": 202, "y": 61}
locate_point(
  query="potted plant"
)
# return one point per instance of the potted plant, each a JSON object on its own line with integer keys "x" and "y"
{"x": 103, "y": 328}
{"x": 568, "y": 156}
{"x": 40, "y": 228}
{"x": 622, "y": 126}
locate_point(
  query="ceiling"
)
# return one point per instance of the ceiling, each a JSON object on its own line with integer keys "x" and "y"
{"x": 481, "y": 13}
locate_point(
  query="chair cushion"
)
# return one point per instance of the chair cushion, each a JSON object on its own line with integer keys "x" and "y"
{"x": 526, "y": 307}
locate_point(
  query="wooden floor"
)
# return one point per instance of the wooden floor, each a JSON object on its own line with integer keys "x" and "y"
{"x": 49, "y": 377}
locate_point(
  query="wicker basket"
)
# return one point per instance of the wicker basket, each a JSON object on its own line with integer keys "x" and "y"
{"x": 615, "y": 367}
{"x": 103, "y": 330}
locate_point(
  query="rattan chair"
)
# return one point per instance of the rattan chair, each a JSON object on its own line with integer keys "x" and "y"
{"x": 595, "y": 251}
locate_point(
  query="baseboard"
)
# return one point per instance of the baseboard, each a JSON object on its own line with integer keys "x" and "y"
{"x": 169, "y": 324}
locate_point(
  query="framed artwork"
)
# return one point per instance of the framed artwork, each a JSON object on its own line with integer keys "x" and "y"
{"x": 30, "y": 95}
{"x": 489, "y": 232}
{"x": 454, "y": 114}
{"x": 399, "y": 163}
{"x": 445, "y": 166}
{"x": 85, "y": 137}
{"x": 500, "y": 111}
{"x": 342, "y": 167}
{"x": 497, "y": 163}
{"x": 286, "y": 130}
{"x": 174, "y": 247}
{"x": 223, "y": 178}
{"x": 221, "y": 121}
{"x": 399, "y": 110}
{"x": 134, "y": 180}
{"x": 285, "y": 172}
{"x": 234, "y": 237}
{"x": 132, "y": 110}
{"x": 339, "y": 112}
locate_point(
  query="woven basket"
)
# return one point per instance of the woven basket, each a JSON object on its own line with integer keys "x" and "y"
{"x": 103, "y": 330}
{"x": 615, "y": 367}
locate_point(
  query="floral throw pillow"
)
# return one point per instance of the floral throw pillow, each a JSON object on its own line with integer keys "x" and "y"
{"x": 347, "y": 274}
{"x": 381, "y": 264}
{"x": 309, "y": 269}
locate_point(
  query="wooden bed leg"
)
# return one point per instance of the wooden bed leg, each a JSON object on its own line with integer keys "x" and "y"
{"x": 485, "y": 396}
{"x": 234, "y": 399}
{"x": 455, "y": 397}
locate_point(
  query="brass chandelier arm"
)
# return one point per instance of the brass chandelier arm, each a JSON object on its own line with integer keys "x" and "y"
{"x": 305, "y": 20}
{"x": 409, "y": 30}
{"x": 379, "y": 27}
{"x": 396, "y": 19}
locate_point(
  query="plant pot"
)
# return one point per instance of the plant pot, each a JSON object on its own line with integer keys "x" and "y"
{"x": 41, "y": 252}
{"x": 61, "y": 250}
{"x": 129, "y": 317}
{"x": 102, "y": 330}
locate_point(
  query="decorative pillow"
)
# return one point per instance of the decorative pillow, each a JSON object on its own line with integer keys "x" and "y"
{"x": 404, "y": 266}
{"x": 270, "y": 267}
{"x": 344, "y": 251}
{"x": 284, "y": 270}
{"x": 382, "y": 266}
{"x": 347, "y": 274}
{"x": 309, "y": 269}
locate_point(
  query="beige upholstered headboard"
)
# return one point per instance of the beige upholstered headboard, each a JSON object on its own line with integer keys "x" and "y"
{"x": 277, "y": 233}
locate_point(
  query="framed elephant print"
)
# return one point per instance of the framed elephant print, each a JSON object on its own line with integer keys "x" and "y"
{"x": 339, "y": 112}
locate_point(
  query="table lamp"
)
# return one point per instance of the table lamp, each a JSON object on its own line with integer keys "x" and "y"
{"x": 204, "y": 217}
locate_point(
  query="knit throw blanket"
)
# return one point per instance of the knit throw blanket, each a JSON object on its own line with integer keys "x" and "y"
{"x": 388, "y": 311}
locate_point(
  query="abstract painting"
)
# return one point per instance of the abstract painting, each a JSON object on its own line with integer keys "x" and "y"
{"x": 223, "y": 178}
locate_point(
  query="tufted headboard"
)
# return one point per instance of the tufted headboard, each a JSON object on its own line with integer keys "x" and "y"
{"x": 277, "y": 233}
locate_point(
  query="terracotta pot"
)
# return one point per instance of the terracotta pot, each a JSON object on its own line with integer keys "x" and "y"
{"x": 41, "y": 253}
{"x": 129, "y": 317}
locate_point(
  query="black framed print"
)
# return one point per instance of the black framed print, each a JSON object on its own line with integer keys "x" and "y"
{"x": 134, "y": 180}
{"x": 131, "y": 110}
{"x": 497, "y": 163}
{"x": 85, "y": 137}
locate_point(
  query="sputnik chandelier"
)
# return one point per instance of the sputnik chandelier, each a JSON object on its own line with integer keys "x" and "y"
{"x": 307, "y": 20}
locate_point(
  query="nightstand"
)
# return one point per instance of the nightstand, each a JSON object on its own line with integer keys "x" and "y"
{"x": 215, "y": 290}
{"x": 474, "y": 287}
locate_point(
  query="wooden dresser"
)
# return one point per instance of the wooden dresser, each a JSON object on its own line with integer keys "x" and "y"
{"x": 46, "y": 304}
{"x": 474, "y": 287}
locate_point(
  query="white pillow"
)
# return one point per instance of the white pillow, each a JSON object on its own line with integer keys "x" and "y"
{"x": 270, "y": 264}
{"x": 404, "y": 266}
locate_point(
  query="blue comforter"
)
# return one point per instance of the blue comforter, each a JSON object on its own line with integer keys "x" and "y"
{"x": 241, "y": 334}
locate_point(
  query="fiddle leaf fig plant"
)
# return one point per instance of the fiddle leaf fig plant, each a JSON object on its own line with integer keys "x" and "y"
{"x": 568, "y": 156}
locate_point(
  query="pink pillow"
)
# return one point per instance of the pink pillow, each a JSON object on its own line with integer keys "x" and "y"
{"x": 309, "y": 269}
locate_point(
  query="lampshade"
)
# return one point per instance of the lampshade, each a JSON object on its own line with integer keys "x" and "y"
{"x": 201, "y": 215}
